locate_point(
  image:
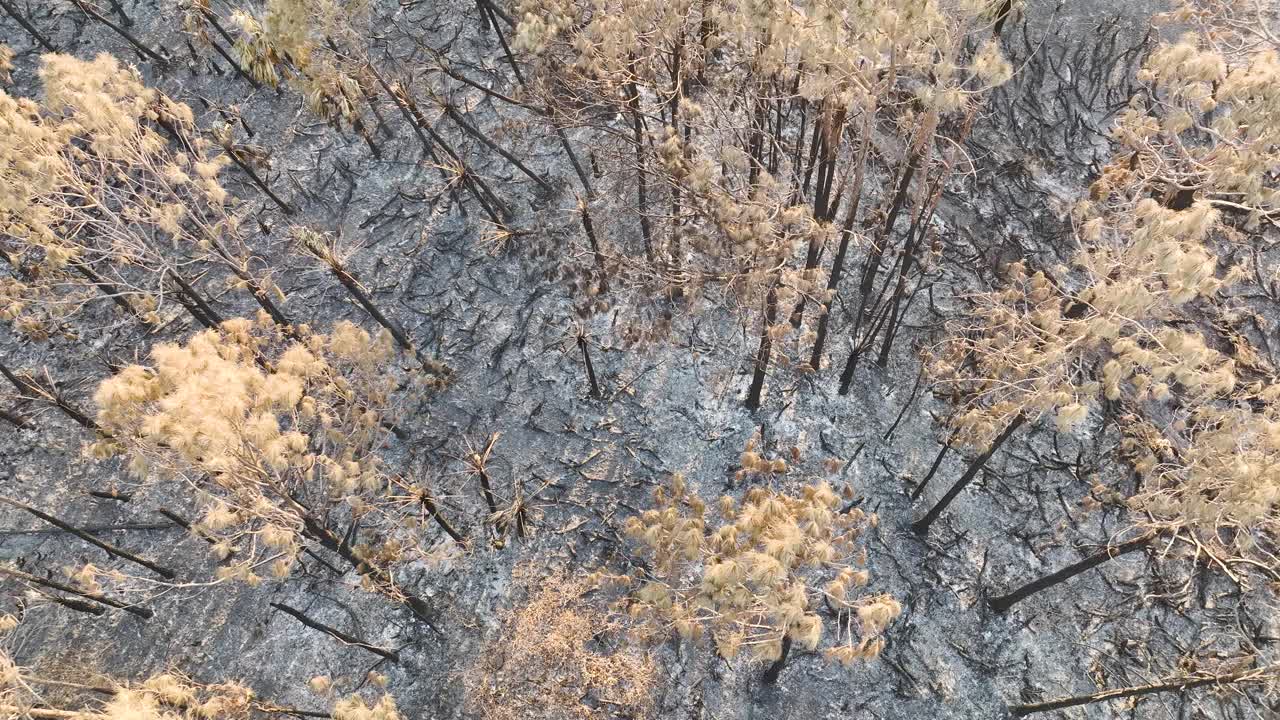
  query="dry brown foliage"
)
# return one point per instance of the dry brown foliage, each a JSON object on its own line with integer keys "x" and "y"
{"x": 561, "y": 655}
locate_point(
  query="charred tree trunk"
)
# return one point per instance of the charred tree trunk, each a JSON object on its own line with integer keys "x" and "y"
{"x": 110, "y": 549}
{"x": 429, "y": 504}
{"x": 642, "y": 182}
{"x": 119, "y": 10}
{"x": 137, "y": 44}
{"x": 591, "y": 370}
{"x": 515, "y": 69}
{"x": 39, "y": 37}
{"x": 195, "y": 302}
{"x": 584, "y": 213}
{"x": 240, "y": 269}
{"x": 16, "y": 574}
{"x": 933, "y": 469}
{"x": 921, "y": 526}
{"x": 1004, "y": 602}
{"x": 478, "y": 188}
{"x": 846, "y": 235}
{"x": 105, "y": 287}
{"x": 1170, "y": 685}
{"x": 298, "y": 615}
{"x": 765, "y": 351}
{"x": 31, "y": 389}
{"x": 348, "y": 281}
{"x": 484, "y": 139}
{"x": 871, "y": 268}
{"x": 213, "y": 22}
{"x": 186, "y": 525}
{"x": 285, "y": 207}
{"x": 317, "y": 531}
{"x": 911, "y": 399}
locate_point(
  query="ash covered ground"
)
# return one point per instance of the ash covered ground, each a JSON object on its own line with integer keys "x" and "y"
{"x": 503, "y": 320}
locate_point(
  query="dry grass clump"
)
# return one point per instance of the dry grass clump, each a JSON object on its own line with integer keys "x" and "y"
{"x": 561, "y": 655}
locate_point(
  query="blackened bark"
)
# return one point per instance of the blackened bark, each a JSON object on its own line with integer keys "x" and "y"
{"x": 110, "y": 549}
{"x": 765, "y": 351}
{"x": 26, "y": 25}
{"x": 921, "y": 526}
{"x": 1004, "y": 602}
{"x": 298, "y": 615}
{"x": 16, "y": 574}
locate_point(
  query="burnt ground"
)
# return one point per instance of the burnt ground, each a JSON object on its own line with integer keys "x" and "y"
{"x": 502, "y": 318}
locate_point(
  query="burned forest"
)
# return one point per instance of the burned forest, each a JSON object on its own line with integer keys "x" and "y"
{"x": 639, "y": 359}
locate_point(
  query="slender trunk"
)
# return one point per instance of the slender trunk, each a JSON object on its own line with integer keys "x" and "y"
{"x": 825, "y": 207}
{"x": 110, "y": 549}
{"x": 909, "y": 250}
{"x": 1004, "y": 602}
{"x": 141, "y": 612}
{"x": 78, "y": 605}
{"x": 484, "y": 139}
{"x": 584, "y": 212}
{"x": 846, "y": 235}
{"x": 485, "y": 22}
{"x": 832, "y": 133}
{"x": 213, "y": 22}
{"x": 111, "y": 495}
{"x": 362, "y": 130}
{"x": 486, "y": 489}
{"x": 478, "y": 188}
{"x": 915, "y": 238}
{"x": 638, "y": 137}
{"x": 899, "y": 201}
{"x": 124, "y": 18}
{"x": 186, "y": 525}
{"x": 285, "y": 207}
{"x": 194, "y": 310}
{"x": 1002, "y": 16}
{"x": 880, "y": 315}
{"x": 815, "y": 144}
{"x": 921, "y": 526}
{"x": 756, "y": 148}
{"x": 673, "y": 109}
{"x": 798, "y": 149}
{"x": 515, "y": 68}
{"x": 765, "y": 351}
{"x": 135, "y": 42}
{"x": 197, "y": 301}
{"x": 911, "y": 399}
{"x": 26, "y": 25}
{"x": 871, "y": 267}
{"x": 263, "y": 299}
{"x": 103, "y": 286}
{"x": 428, "y": 148}
{"x": 498, "y": 12}
{"x": 933, "y": 469}
{"x": 591, "y": 370}
{"x": 391, "y": 655}
{"x": 240, "y": 269}
{"x": 348, "y": 281}
{"x": 1169, "y": 685}
{"x": 371, "y": 100}
{"x": 318, "y": 532}
{"x": 429, "y": 504}
{"x": 34, "y": 390}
